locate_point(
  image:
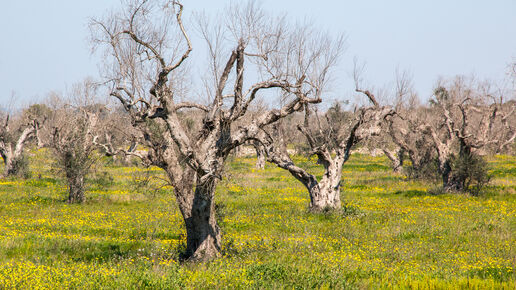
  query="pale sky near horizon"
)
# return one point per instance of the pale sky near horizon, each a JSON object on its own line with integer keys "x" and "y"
{"x": 44, "y": 46}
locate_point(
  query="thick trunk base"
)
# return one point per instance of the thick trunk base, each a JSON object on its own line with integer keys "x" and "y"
{"x": 9, "y": 171}
{"x": 203, "y": 238}
{"x": 12, "y": 167}
{"x": 396, "y": 159}
{"x": 76, "y": 190}
{"x": 397, "y": 166}
{"x": 203, "y": 242}
{"x": 453, "y": 184}
{"x": 324, "y": 199}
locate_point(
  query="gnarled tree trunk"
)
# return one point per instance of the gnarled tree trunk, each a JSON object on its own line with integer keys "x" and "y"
{"x": 445, "y": 170}
{"x": 8, "y": 162}
{"x": 12, "y": 157}
{"x": 396, "y": 159}
{"x": 453, "y": 179}
{"x": 260, "y": 155}
{"x": 326, "y": 194}
{"x": 203, "y": 233}
{"x": 76, "y": 189}
{"x": 197, "y": 205}
{"x": 13, "y": 165}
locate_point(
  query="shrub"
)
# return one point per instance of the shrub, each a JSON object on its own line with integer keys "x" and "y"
{"x": 470, "y": 173}
{"x": 20, "y": 167}
{"x": 349, "y": 210}
{"x": 427, "y": 169}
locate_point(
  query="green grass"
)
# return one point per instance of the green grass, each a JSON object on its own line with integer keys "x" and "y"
{"x": 390, "y": 234}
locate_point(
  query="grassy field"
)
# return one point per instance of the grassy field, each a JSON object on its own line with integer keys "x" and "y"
{"x": 129, "y": 233}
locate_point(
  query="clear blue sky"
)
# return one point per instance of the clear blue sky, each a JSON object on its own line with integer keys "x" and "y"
{"x": 44, "y": 44}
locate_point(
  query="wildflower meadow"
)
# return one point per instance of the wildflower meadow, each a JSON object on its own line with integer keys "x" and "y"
{"x": 391, "y": 233}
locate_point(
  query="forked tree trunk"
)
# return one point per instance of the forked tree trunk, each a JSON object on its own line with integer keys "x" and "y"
{"x": 203, "y": 239}
{"x": 76, "y": 189}
{"x": 326, "y": 194}
{"x": 12, "y": 157}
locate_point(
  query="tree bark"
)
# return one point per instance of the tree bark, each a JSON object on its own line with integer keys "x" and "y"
{"x": 198, "y": 153}
{"x": 445, "y": 169}
{"x": 12, "y": 164}
{"x": 6, "y": 154}
{"x": 396, "y": 159}
{"x": 13, "y": 157}
{"x": 450, "y": 181}
{"x": 8, "y": 166}
{"x": 76, "y": 189}
{"x": 260, "y": 155}
{"x": 326, "y": 194}
{"x": 197, "y": 205}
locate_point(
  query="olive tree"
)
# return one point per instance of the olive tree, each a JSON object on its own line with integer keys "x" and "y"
{"x": 71, "y": 138}
{"x": 260, "y": 155}
{"x": 148, "y": 48}
{"x": 468, "y": 118}
{"x": 14, "y": 136}
{"x": 405, "y": 130}
{"x": 331, "y": 139}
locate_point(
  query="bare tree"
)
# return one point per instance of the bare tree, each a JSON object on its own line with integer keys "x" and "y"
{"x": 13, "y": 142}
{"x": 71, "y": 139}
{"x": 39, "y": 114}
{"x": 331, "y": 140}
{"x": 406, "y": 130}
{"x": 112, "y": 149}
{"x": 147, "y": 46}
{"x": 403, "y": 100}
{"x": 467, "y": 123}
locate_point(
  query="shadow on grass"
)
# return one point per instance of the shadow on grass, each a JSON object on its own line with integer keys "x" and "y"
{"x": 379, "y": 180}
{"x": 38, "y": 199}
{"x": 413, "y": 193}
{"x": 42, "y": 182}
{"x": 366, "y": 167}
{"x": 278, "y": 275}
{"x": 81, "y": 251}
{"x": 503, "y": 172}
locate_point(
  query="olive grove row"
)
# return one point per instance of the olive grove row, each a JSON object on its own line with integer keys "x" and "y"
{"x": 261, "y": 86}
